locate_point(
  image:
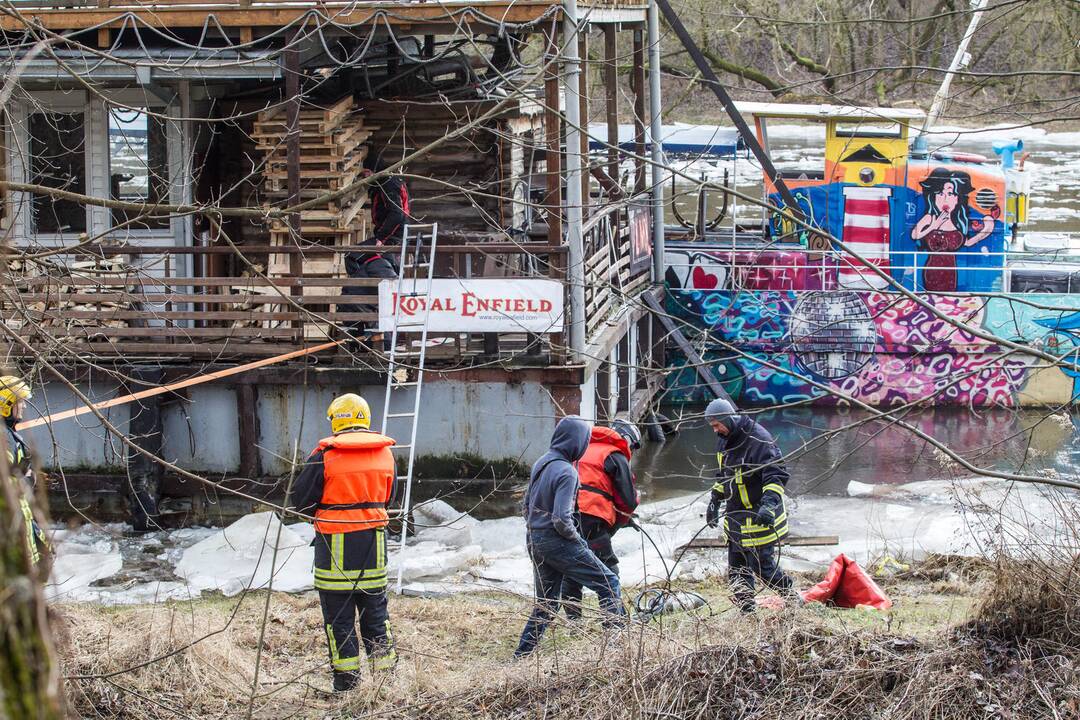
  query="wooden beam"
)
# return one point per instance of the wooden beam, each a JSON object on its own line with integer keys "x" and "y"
{"x": 637, "y": 82}
{"x": 553, "y": 140}
{"x": 791, "y": 540}
{"x": 692, "y": 356}
{"x": 449, "y": 16}
{"x": 611, "y": 85}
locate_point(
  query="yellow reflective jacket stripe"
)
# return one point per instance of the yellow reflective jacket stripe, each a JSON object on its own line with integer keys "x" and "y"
{"x": 348, "y": 585}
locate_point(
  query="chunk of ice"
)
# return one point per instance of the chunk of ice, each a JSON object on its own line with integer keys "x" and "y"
{"x": 241, "y": 556}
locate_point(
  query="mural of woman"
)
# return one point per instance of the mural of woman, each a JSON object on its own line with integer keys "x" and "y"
{"x": 945, "y": 226}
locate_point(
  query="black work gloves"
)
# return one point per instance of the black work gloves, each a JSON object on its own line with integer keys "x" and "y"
{"x": 712, "y": 515}
{"x": 769, "y": 509}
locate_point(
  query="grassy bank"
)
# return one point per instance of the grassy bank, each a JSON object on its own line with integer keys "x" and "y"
{"x": 931, "y": 656}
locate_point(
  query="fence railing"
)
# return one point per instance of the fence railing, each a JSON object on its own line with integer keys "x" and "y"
{"x": 111, "y": 307}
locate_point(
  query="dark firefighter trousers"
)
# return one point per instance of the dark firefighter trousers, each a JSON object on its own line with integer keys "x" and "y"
{"x": 597, "y": 534}
{"x": 350, "y": 575}
{"x": 747, "y": 563}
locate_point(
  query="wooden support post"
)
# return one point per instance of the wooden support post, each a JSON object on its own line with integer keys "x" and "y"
{"x": 144, "y": 474}
{"x": 583, "y": 94}
{"x": 247, "y": 404}
{"x": 637, "y": 82}
{"x": 292, "y": 159}
{"x": 611, "y": 84}
{"x": 104, "y": 38}
{"x": 553, "y": 139}
{"x": 246, "y": 35}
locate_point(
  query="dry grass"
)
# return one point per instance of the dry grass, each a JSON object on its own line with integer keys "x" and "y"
{"x": 814, "y": 662}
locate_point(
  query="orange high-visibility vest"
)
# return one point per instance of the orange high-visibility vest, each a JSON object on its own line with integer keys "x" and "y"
{"x": 597, "y": 495}
{"x": 358, "y": 477}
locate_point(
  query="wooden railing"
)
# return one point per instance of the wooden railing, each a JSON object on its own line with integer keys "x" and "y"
{"x": 136, "y": 313}
{"x": 608, "y": 278}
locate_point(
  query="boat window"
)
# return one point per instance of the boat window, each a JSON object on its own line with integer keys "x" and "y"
{"x": 798, "y": 149}
{"x": 58, "y": 160}
{"x": 868, "y": 129}
{"x": 138, "y": 165}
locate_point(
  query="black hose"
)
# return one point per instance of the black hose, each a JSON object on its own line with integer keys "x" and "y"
{"x": 652, "y": 601}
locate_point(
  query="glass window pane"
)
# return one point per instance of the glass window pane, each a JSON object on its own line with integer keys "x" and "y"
{"x": 58, "y": 160}
{"x": 138, "y": 165}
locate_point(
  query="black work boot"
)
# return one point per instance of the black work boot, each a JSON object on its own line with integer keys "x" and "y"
{"x": 344, "y": 681}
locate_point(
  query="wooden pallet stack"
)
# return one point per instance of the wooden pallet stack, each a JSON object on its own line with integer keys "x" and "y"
{"x": 333, "y": 145}
{"x": 59, "y": 312}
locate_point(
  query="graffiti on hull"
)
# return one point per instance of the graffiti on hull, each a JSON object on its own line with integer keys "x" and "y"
{"x": 773, "y": 347}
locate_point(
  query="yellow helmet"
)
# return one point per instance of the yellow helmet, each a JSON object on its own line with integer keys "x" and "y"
{"x": 348, "y": 411}
{"x": 12, "y": 390}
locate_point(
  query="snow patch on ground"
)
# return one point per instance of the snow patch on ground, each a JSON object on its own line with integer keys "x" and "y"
{"x": 455, "y": 552}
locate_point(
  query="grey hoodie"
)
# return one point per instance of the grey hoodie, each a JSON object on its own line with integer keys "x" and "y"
{"x": 551, "y": 499}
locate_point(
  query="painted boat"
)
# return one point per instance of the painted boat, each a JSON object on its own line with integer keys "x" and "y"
{"x": 786, "y": 317}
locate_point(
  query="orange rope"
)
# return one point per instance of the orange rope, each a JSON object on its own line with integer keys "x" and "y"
{"x": 150, "y": 392}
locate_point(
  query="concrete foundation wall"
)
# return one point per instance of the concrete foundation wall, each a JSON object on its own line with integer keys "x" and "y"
{"x": 492, "y": 420}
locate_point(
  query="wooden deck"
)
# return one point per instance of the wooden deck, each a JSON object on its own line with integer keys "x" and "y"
{"x": 174, "y": 14}
{"x": 118, "y": 314}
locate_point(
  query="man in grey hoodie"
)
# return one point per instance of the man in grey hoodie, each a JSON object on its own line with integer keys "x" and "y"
{"x": 556, "y": 547}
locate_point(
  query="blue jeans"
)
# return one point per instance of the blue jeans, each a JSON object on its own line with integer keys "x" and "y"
{"x": 554, "y": 559}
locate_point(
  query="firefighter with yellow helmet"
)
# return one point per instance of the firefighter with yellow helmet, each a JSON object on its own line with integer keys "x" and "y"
{"x": 346, "y": 484}
{"x": 14, "y": 392}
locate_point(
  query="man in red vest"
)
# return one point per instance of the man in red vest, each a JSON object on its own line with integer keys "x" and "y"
{"x": 346, "y": 483}
{"x": 606, "y": 499}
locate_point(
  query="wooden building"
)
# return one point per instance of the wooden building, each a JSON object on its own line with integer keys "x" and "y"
{"x": 150, "y": 153}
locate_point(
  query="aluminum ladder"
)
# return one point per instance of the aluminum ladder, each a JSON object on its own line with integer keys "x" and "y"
{"x": 417, "y": 255}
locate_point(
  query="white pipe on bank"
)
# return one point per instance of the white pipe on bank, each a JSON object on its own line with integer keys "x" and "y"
{"x": 575, "y": 271}
{"x": 656, "y": 144}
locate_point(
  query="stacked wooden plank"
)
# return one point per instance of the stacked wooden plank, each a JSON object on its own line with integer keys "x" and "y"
{"x": 333, "y": 145}
{"x": 60, "y": 312}
{"x": 464, "y": 187}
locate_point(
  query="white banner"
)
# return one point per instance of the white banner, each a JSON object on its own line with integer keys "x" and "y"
{"x": 476, "y": 305}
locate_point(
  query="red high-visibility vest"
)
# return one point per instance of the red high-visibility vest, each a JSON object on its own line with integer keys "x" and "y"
{"x": 597, "y": 495}
{"x": 358, "y": 477}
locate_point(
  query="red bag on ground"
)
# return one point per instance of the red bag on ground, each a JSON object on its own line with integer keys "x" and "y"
{"x": 848, "y": 586}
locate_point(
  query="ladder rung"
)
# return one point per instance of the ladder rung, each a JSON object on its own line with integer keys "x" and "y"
{"x": 404, "y": 384}
{"x": 401, "y": 415}
{"x": 414, "y": 294}
{"x": 400, "y": 447}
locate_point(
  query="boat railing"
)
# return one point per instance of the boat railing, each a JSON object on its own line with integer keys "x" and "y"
{"x": 693, "y": 266}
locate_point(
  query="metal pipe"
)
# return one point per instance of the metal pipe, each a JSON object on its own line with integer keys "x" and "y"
{"x": 575, "y": 272}
{"x": 960, "y": 60}
{"x": 656, "y": 144}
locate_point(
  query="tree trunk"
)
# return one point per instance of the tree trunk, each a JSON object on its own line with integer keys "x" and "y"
{"x": 29, "y": 681}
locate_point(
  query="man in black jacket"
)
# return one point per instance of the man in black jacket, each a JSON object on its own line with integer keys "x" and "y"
{"x": 389, "y": 203}
{"x": 750, "y": 482}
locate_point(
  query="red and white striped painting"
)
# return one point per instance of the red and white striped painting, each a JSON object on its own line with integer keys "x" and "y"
{"x": 866, "y": 232}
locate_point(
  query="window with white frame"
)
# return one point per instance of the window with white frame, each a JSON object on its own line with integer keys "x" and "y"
{"x": 138, "y": 166}
{"x": 57, "y": 146}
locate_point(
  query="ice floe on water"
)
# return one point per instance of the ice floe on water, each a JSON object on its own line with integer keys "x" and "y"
{"x": 455, "y": 552}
